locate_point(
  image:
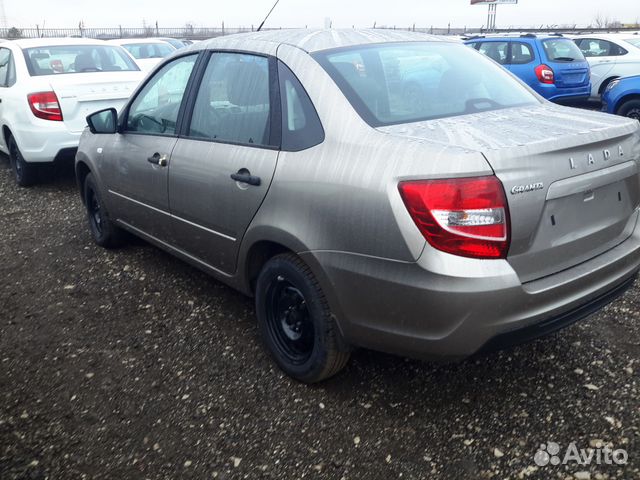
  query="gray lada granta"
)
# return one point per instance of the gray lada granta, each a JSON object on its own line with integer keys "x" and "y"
{"x": 375, "y": 189}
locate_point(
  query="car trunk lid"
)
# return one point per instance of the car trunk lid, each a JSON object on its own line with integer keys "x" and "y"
{"x": 81, "y": 94}
{"x": 573, "y": 74}
{"x": 570, "y": 177}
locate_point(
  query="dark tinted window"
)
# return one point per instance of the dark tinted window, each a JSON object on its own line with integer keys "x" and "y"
{"x": 155, "y": 109}
{"x": 495, "y": 50}
{"x": 562, "y": 50}
{"x": 409, "y": 82}
{"x": 233, "y": 102}
{"x": 301, "y": 127}
{"x": 67, "y": 59}
{"x": 521, "y": 53}
{"x": 592, "y": 47}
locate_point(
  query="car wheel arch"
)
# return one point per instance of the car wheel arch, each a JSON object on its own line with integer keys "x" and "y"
{"x": 627, "y": 98}
{"x": 603, "y": 85}
{"x": 82, "y": 171}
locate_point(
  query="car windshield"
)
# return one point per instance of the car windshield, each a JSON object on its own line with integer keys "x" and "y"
{"x": 562, "y": 50}
{"x": 62, "y": 59}
{"x": 634, "y": 41}
{"x": 140, "y": 51}
{"x": 410, "y": 82}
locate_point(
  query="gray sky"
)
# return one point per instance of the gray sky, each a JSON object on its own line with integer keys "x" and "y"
{"x": 344, "y": 13}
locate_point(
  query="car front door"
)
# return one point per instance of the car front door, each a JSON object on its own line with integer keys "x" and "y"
{"x": 138, "y": 158}
{"x": 222, "y": 168}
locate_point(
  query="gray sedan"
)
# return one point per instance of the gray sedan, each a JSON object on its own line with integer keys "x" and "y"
{"x": 298, "y": 167}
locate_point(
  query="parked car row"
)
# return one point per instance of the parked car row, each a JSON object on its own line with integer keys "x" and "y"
{"x": 305, "y": 170}
{"x": 560, "y": 72}
{"x": 49, "y": 86}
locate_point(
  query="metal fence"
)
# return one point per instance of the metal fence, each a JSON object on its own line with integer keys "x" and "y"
{"x": 199, "y": 33}
{"x": 196, "y": 33}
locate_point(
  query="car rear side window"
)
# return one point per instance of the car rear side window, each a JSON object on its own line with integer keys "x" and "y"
{"x": 409, "y": 82}
{"x": 521, "y": 53}
{"x": 562, "y": 50}
{"x": 155, "y": 110}
{"x": 68, "y": 59}
{"x": 495, "y": 50}
{"x": 595, "y": 47}
{"x": 301, "y": 127}
{"x": 233, "y": 103}
{"x": 141, "y": 51}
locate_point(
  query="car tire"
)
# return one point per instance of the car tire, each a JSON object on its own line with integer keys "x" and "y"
{"x": 630, "y": 108}
{"x": 295, "y": 321}
{"x": 104, "y": 232}
{"x": 25, "y": 174}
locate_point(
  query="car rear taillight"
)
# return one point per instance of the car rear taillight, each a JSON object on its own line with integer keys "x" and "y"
{"x": 45, "y": 105}
{"x": 462, "y": 216}
{"x": 545, "y": 74}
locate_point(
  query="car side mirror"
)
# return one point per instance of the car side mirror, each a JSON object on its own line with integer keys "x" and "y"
{"x": 103, "y": 121}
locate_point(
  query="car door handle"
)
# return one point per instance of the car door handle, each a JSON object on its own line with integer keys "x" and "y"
{"x": 157, "y": 159}
{"x": 245, "y": 176}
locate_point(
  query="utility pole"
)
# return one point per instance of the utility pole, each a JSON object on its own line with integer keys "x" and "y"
{"x": 3, "y": 16}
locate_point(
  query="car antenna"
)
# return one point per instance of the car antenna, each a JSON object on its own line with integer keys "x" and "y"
{"x": 265, "y": 18}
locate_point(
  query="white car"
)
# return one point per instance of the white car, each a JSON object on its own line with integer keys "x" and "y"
{"x": 147, "y": 52}
{"x": 47, "y": 89}
{"x": 610, "y": 56}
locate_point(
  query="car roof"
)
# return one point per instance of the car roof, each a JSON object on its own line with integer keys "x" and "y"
{"x": 51, "y": 42}
{"x": 521, "y": 38}
{"x": 316, "y": 40}
{"x": 127, "y": 41}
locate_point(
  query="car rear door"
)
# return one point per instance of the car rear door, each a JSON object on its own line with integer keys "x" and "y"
{"x": 137, "y": 160}
{"x": 602, "y": 56}
{"x": 521, "y": 62}
{"x": 222, "y": 165}
{"x": 7, "y": 80}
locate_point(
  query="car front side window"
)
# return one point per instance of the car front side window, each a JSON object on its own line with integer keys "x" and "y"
{"x": 233, "y": 104}
{"x": 155, "y": 109}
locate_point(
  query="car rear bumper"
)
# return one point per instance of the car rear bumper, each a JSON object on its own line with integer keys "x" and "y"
{"x": 565, "y": 94}
{"x": 403, "y": 308}
{"x": 55, "y": 143}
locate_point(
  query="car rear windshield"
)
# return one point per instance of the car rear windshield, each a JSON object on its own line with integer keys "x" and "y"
{"x": 409, "y": 82}
{"x": 63, "y": 59}
{"x": 562, "y": 50}
{"x": 634, "y": 41}
{"x": 140, "y": 51}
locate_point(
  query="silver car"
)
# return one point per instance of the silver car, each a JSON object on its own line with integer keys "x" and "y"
{"x": 299, "y": 167}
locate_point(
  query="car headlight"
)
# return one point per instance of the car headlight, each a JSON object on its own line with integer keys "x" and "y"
{"x": 612, "y": 84}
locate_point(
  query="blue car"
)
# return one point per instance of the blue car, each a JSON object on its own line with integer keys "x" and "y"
{"x": 552, "y": 65}
{"x": 622, "y": 97}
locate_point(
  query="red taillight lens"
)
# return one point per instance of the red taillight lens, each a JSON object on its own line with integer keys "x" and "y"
{"x": 45, "y": 105}
{"x": 545, "y": 74}
{"x": 462, "y": 216}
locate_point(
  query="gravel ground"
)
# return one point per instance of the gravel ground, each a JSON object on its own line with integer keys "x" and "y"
{"x": 131, "y": 364}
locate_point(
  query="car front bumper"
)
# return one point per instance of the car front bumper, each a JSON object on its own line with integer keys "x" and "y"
{"x": 406, "y": 309}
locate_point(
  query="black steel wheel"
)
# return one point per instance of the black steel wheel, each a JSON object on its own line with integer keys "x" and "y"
{"x": 631, "y": 109}
{"x": 295, "y": 321}
{"x": 103, "y": 231}
{"x": 24, "y": 173}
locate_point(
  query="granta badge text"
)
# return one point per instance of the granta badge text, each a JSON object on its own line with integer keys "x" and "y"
{"x": 526, "y": 188}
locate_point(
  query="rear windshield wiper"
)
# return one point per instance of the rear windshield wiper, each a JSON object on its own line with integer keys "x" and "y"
{"x": 565, "y": 59}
